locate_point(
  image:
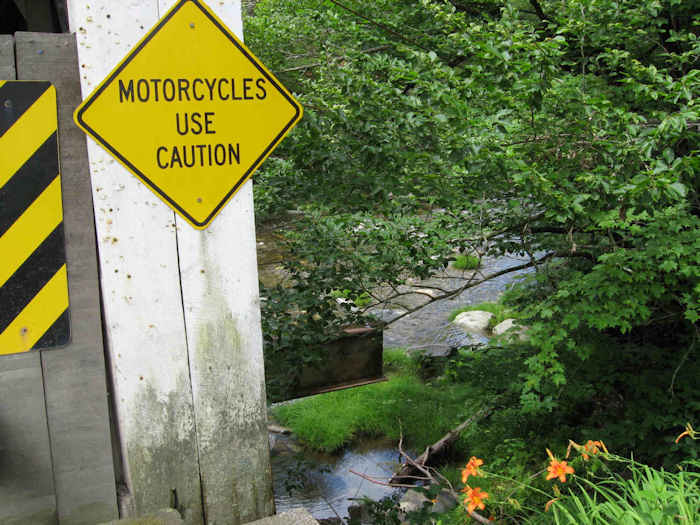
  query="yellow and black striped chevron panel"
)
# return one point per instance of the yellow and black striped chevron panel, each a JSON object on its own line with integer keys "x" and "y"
{"x": 33, "y": 282}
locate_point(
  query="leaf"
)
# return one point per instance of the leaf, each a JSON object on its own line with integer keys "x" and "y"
{"x": 678, "y": 189}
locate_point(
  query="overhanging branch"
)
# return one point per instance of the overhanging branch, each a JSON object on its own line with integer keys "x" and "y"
{"x": 335, "y": 59}
{"x": 472, "y": 284}
{"x": 538, "y": 10}
{"x": 380, "y": 25}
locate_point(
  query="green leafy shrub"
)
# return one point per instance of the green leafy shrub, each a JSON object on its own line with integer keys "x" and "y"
{"x": 566, "y": 132}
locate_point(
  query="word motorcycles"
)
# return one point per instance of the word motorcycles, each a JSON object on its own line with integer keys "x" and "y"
{"x": 192, "y": 90}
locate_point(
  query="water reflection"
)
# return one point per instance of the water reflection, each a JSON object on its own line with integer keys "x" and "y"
{"x": 322, "y": 483}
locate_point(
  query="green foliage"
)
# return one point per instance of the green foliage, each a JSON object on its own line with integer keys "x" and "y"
{"x": 333, "y": 278}
{"x": 384, "y": 511}
{"x": 625, "y": 292}
{"x": 569, "y": 134}
{"x": 641, "y": 415}
{"x": 399, "y": 361}
{"x": 641, "y": 495}
{"x": 271, "y": 187}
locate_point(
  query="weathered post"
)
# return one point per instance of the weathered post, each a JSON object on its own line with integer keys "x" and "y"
{"x": 182, "y": 313}
{"x": 219, "y": 275}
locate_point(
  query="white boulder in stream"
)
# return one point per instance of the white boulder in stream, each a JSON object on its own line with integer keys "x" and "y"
{"x": 509, "y": 325}
{"x": 474, "y": 322}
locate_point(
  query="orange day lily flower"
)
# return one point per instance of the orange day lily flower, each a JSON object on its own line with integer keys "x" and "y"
{"x": 592, "y": 448}
{"x": 475, "y": 498}
{"x": 558, "y": 469}
{"x": 472, "y": 468}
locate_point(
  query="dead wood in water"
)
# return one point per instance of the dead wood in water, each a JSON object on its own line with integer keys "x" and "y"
{"x": 412, "y": 467}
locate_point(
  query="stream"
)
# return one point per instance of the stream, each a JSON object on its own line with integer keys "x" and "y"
{"x": 322, "y": 483}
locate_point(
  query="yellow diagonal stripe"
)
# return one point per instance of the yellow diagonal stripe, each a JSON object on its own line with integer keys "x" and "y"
{"x": 37, "y": 317}
{"x": 2, "y": 82}
{"x": 30, "y": 230}
{"x": 27, "y": 134}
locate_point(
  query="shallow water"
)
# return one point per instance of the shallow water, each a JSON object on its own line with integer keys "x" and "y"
{"x": 328, "y": 487}
{"x": 431, "y": 326}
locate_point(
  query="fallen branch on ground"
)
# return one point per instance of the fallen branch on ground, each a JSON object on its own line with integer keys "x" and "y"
{"x": 420, "y": 464}
{"x": 382, "y": 483}
{"x": 441, "y": 445}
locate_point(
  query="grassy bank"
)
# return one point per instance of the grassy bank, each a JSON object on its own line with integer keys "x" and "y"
{"x": 404, "y": 403}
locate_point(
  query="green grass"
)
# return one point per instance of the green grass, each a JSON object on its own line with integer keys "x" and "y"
{"x": 402, "y": 404}
{"x": 500, "y": 312}
{"x": 398, "y": 361}
{"x": 466, "y": 262}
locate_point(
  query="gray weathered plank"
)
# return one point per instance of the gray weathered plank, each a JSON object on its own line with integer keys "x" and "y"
{"x": 7, "y": 57}
{"x": 76, "y": 393}
{"x": 26, "y": 477}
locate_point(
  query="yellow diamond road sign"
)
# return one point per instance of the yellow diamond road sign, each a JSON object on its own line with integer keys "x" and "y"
{"x": 190, "y": 111}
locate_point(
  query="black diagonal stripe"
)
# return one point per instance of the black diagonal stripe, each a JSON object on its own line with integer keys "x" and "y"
{"x": 31, "y": 277}
{"x": 58, "y": 334}
{"x": 26, "y": 185}
{"x": 16, "y": 98}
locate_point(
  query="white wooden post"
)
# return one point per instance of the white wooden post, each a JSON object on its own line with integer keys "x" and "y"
{"x": 182, "y": 316}
{"x": 222, "y": 315}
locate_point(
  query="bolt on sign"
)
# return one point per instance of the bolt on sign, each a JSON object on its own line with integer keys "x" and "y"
{"x": 190, "y": 111}
{"x": 33, "y": 280}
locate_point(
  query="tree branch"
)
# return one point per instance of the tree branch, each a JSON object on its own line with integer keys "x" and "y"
{"x": 471, "y": 284}
{"x": 421, "y": 462}
{"x": 380, "y": 25}
{"x": 517, "y": 227}
{"x": 377, "y": 482}
{"x": 428, "y": 287}
{"x": 680, "y": 364}
{"x": 538, "y": 10}
{"x": 334, "y": 59}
